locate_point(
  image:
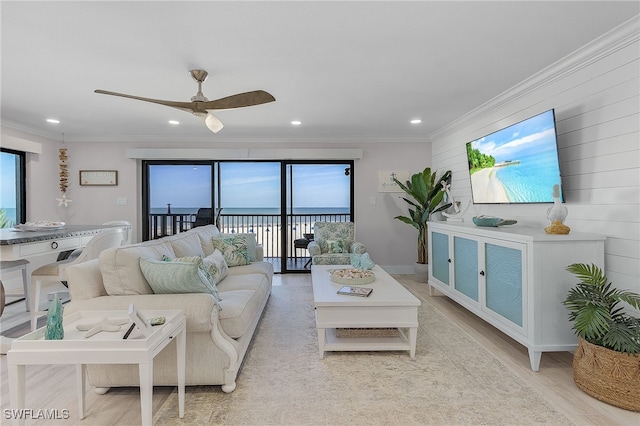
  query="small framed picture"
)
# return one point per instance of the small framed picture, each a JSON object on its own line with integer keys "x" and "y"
{"x": 141, "y": 323}
{"x": 98, "y": 177}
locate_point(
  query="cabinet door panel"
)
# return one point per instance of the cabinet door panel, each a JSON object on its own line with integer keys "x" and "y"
{"x": 440, "y": 256}
{"x": 465, "y": 266}
{"x": 504, "y": 281}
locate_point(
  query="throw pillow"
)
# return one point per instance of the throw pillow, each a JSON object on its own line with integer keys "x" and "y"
{"x": 217, "y": 266}
{"x": 361, "y": 261}
{"x": 335, "y": 246}
{"x": 234, "y": 249}
{"x": 178, "y": 275}
{"x": 251, "y": 243}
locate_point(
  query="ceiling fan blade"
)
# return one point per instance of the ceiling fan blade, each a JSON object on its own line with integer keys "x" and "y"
{"x": 257, "y": 97}
{"x": 190, "y": 106}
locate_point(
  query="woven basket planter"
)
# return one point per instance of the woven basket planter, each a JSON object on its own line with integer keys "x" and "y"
{"x": 610, "y": 376}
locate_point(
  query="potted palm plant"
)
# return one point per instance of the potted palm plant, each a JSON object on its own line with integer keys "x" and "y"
{"x": 425, "y": 194}
{"x": 606, "y": 364}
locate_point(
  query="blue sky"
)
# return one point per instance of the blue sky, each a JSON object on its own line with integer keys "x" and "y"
{"x": 520, "y": 140}
{"x": 8, "y": 183}
{"x": 246, "y": 185}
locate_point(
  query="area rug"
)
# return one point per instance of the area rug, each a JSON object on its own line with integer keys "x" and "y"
{"x": 453, "y": 381}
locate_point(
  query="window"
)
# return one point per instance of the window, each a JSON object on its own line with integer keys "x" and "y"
{"x": 279, "y": 201}
{"x": 13, "y": 195}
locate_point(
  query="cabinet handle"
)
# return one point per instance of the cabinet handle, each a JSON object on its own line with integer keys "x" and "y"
{"x": 54, "y": 245}
{"x": 449, "y": 260}
{"x": 482, "y": 273}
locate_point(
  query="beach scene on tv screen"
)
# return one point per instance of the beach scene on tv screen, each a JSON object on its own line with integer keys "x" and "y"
{"x": 518, "y": 164}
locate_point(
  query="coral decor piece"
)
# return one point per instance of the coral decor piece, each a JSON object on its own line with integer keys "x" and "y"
{"x": 64, "y": 178}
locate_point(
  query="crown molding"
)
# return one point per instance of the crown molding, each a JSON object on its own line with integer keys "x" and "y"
{"x": 618, "y": 38}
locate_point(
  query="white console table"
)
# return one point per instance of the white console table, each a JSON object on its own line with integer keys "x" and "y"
{"x": 513, "y": 277}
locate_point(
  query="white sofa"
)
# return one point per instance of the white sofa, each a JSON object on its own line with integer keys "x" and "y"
{"x": 217, "y": 335}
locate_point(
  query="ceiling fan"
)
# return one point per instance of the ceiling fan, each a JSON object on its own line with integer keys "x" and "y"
{"x": 201, "y": 106}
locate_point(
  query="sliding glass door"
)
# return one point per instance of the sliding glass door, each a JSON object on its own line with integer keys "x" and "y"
{"x": 278, "y": 201}
{"x": 249, "y": 195}
{"x": 315, "y": 191}
{"x": 176, "y": 196}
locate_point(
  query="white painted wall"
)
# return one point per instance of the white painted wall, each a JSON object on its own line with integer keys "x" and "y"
{"x": 389, "y": 242}
{"x": 595, "y": 94}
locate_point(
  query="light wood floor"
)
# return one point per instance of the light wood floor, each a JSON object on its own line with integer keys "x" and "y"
{"x": 53, "y": 387}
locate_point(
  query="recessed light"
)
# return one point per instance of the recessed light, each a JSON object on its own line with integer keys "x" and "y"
{"x": 53, "y": 121}
{"x": 296, "y": 122}
{"x": 174, "y": 122}
{"x": 416, "y": 121}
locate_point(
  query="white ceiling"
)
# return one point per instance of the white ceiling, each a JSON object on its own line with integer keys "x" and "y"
{"x": 349, "y": 70}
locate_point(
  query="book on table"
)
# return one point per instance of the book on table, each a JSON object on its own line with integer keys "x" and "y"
{"x": 355, "y": 291}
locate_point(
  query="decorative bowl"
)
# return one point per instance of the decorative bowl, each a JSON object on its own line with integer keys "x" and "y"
{"x": 352, "y": 276}
{"x": 492, "y": 221}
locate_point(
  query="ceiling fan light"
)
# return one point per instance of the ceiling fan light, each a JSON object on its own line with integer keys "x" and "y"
{"x": 213, "y": 123}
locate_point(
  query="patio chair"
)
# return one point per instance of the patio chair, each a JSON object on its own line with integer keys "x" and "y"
{"x": 333, "y": 243}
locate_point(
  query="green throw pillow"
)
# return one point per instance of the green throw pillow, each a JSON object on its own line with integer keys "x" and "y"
{"x": 234, "y": 249}
{"x": 179, "y": 275}
{"x": 335, "y": 246}
{"x": 250, "y": 239}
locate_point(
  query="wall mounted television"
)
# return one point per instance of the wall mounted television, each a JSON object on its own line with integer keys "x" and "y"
{"x": 518, "y": 164}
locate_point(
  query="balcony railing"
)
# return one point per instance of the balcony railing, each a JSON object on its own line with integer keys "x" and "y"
{"x": 268, "y": 228}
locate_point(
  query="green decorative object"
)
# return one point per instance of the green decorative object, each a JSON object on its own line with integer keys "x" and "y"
{"x": 492, "y": 221}
{"x": 425, "y": 196}
{"x": 55, "y": 330}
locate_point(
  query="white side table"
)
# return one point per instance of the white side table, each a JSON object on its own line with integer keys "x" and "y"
{"x": 101, "y": 348}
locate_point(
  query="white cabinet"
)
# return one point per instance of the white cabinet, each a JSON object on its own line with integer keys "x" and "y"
{"x": 513, "y": 277}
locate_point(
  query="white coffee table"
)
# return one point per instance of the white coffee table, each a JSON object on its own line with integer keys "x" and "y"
{"x": 390, "y": 305}
{"x": 101, "y": 348}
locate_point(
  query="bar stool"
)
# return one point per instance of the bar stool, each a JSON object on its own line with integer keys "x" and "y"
{"x": 56, "y": 272}
{"x": 17, "y": 265}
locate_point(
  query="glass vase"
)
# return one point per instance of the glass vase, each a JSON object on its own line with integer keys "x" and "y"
{"x": 54, "y": 330}
{"x": 557, "y": 214}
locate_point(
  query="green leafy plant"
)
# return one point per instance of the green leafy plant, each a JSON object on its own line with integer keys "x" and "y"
{"x": 597, "y": 313}
{"x": 426, "y": 194}
{"x": 5, "y": 222}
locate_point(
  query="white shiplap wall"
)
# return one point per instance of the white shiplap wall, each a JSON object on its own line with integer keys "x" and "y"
{"x": 595, "y": 92}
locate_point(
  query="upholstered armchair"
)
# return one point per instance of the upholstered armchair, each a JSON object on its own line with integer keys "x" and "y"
{"x": 333, "y": 243}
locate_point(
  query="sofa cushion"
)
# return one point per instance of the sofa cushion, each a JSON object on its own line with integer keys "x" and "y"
{"x": 234, "y": 249}
{"x": 206, "y": 235}
{"x": 250, "y": 239}
{"x": 242, "y": 298}
{"x": 178, "y": 275}
{"x": 120, "y": 266}
{"x": 185, "y": 244}
{"x": 263, "y": 268}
